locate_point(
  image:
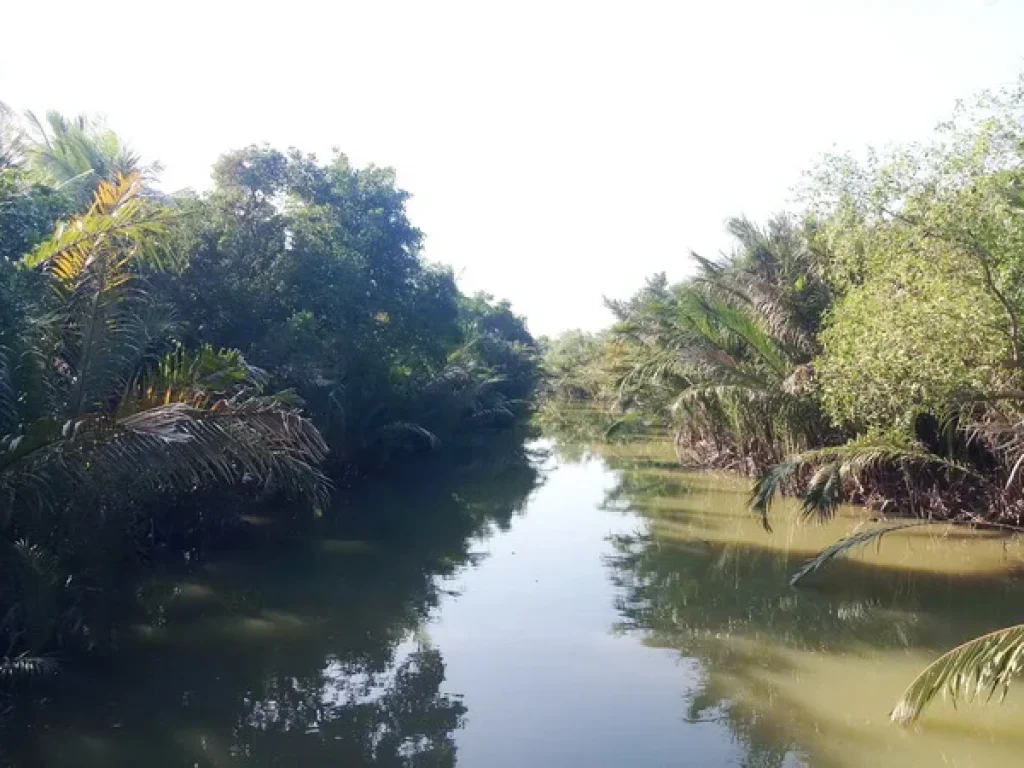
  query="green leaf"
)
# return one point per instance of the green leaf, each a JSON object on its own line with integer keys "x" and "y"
{"x": 983, "y": 666}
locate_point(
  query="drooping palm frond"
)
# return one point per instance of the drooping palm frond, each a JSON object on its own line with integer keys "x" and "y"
{"x": 622, "y": 426}
{"x": 824, "y": 491}
{"x": 767, "y": 486}
{"x": 499, "y": 410}
{"x": 835, "y": 464}
{"x": 847, "y": 544}
{"x": 651, "y": 366}
{"x": 195, "y": 420}
{"x": 980, "y": 667}
{"x": 168, "y": 448}
{"x": 257, "y": 440}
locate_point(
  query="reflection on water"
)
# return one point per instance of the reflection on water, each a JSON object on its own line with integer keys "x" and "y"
{"x": 306, "y": 654}
{"x": 621, "y": 612}
{"x": 810, "y": 672}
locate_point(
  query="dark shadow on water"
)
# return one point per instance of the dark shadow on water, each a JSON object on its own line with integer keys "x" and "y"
{"x": 306, "y": 653}
{"x": 697, "y": 594}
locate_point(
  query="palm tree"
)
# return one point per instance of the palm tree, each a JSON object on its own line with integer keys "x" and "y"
{"x": 98, "y": 415}
{"x": 76, "y": 153}
{"x": 734, "y": 346}
{"x": 108, "y": 408}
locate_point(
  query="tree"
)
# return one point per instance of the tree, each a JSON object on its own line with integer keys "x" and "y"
{"x": 729, "y": 350}
{"x": 314, "y": 271}
{"x": 96, "y": 417}
{"x": 77, "y": 153}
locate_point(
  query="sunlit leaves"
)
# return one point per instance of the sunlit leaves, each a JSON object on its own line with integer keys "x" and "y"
{"x": 924, "y": 245}
{"x": 125, "y": 428}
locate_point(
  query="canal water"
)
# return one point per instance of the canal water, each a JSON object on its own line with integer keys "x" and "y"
{"x": 542, "y": 605}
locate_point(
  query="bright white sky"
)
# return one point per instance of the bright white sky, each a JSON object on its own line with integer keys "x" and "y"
{"x": 557, "y": 151}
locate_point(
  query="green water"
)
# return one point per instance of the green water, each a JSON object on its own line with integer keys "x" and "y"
{"x": 540, "y": 607}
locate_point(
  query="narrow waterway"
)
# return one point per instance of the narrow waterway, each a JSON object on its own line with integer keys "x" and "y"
{"x": 542, "y": 606}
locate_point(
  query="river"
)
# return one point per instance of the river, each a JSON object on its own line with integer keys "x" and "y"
{"x": 550, "y": 605}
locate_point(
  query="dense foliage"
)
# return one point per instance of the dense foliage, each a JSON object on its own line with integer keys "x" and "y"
{"x": 314, "y": 272}
{"x": 867, "y": 347}
{"x": 164, "y": 358}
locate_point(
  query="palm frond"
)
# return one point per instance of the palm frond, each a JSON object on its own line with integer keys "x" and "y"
{"x": 118, "y": 218}
{"x": 871, "y": 452}
{"x": 824, "y": 492}
{"x": 12, "y": 139}
{"x": 767, "y": 487}
{"x": 760, "y": 277}
{"x": 174, "y": 447}
{"x": 76, "y": 153}
{"x": 849, "y": 543}
{"x": 499, "y": 410}
{"x": 737, "y": 392}
{"x": 711, "y": 317}
{"x": 980, "y": 667}
{"x": 94, "y": 261}
{"x": 193, "y": 377}
{"x": 184, "y": 447}
{"x": 771, "y": 306}
{"x": 621, "y": 425}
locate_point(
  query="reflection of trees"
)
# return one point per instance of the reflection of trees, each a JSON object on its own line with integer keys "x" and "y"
{"x": 728, "y": 605}
{"x": 571, "y": 431}
{"x": 631, "y": 485}
{"x": 304, "y": 654}
{"x": 396, "y": 719}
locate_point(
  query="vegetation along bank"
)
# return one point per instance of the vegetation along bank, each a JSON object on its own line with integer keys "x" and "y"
{"x": 865, "y": 347}
{"x": 169, "y": 360}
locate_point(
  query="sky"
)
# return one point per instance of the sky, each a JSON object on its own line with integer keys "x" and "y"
{"x": 557, "y": 152}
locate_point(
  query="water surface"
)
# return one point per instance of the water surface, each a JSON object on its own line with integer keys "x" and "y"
{"x": 543, "y": 607}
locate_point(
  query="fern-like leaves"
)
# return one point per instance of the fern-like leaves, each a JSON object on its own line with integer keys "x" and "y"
{"x": 847, "y": 544}
{"x": 981, "y": 667}
{"x": 834, "y": 464}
